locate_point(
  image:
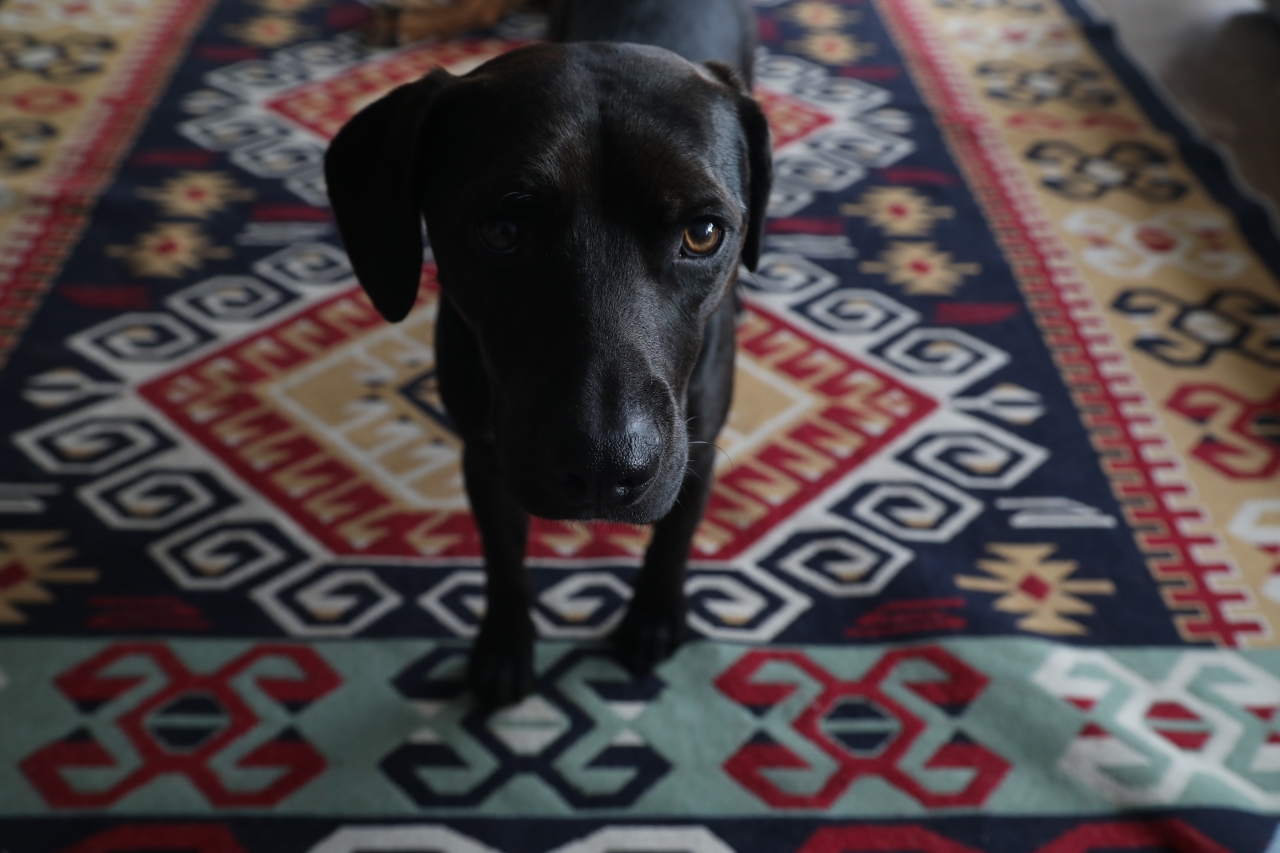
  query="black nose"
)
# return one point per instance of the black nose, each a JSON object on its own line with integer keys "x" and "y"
{"x": 609, "y": 470}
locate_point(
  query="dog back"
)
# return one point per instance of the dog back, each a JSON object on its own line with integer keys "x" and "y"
{"x": 699, "y": 30}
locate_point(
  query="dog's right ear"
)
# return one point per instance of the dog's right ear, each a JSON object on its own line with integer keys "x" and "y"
{"x": 759, "y": 159}
{"x": 374, "y": 174}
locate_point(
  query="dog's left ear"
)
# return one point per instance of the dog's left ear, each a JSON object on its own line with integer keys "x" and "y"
{"x": 374, "y": 172}
{"x": 759, "y": 161}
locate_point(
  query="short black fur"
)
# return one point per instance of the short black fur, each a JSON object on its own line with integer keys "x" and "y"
{"x": 585, "y": 337}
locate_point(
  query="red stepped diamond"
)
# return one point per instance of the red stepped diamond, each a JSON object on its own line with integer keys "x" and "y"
{"x": 1191, "y": 741}
{"x": 12, "y": 574}
{"x": 1156, "y": 239}
{"x": 1171, "y": 711}
{"x": 1179, "y": 725}
{"x": 1035, "y": 587}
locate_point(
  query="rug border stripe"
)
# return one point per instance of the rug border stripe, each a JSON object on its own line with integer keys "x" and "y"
{"x": 42, "y": 237}
{"x": 1209, "y": 160}
{"x": 1159, "y": 502}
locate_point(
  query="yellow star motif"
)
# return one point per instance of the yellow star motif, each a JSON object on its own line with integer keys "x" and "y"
{"x": 898, "y": 211}
{"x": 196, "y": 194}
{"x": 284, "y": 5}
{"x": 921, "y": 269}
{"x": 270, "y": 30}
{"x": 169, "y": 250}
{"x": 27, "y": 563}
{"x": 820, "y": 15}
{"x": 833, "y": 48}
{"x": 1033, "y": 584}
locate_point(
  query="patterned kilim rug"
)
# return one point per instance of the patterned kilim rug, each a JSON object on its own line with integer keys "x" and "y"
{"x": 989, "y": 564}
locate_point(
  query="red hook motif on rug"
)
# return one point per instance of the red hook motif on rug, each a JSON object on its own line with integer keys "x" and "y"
{"x": 861, "y": 726}
{"x": 183, "y": 725}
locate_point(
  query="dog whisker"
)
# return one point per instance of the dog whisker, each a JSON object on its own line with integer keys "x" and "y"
{"x": 514, "y": 196}
{"x": 732, "y": 465}
{"x": 721, "y": 449}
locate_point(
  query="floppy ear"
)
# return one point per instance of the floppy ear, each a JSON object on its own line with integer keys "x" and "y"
{"x": 759, "y": 160}
{"x": 374, "y": 175}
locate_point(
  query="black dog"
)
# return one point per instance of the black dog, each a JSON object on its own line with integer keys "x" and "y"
{"x": 588, "y": 203}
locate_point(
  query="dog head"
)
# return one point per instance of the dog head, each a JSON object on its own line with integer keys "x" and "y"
{"x": 588, "y": 206}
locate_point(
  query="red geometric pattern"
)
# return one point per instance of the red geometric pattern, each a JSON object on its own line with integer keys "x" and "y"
{"x": 48, "y": 230}
{"x": 1242, "y": 436}
{"x": 1129, "y": 441}
{"x": 1169, "y": 835}
{"x": 878, "y": 730}
{"x": 843, "y": 412}
{"x": 882, "y": 839}
{"x": 183, "y": 725}
{"x": 325, "y": 106}
{"x": 789, "y": 119}
{"x": 855, "y": 411}
{"x": 1165, "y": 835}
{"x": 187, "y": 837}
{"x": 289, "y": 530}
{"x": 1179, "y": 725}
{"x": 1172, "y": 835}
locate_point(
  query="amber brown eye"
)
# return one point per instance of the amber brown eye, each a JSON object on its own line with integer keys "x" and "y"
{"x": 499, "y": 235}
{"x": 702, "y": 237}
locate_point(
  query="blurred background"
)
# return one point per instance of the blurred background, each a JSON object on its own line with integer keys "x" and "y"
{"x": 1220, "y": 60}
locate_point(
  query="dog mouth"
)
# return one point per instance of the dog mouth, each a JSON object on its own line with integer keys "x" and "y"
{"x": 628, "y": 495}
{"x": 598, "y": 512}
{"x": 614, "y": 449}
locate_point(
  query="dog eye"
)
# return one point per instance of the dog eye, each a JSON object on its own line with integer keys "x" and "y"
{"x": 499, "y": 235}
{"x": 702, "y": 238}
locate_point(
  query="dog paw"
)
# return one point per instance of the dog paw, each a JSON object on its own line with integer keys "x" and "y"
{"x": 500, "y": 671}
{"x": 649, "y": 635}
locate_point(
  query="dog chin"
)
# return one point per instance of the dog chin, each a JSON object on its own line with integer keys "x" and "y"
{"x": 651, "y": 507}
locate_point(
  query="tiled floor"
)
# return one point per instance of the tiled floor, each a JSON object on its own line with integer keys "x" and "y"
{"x": 1220, "y": 60}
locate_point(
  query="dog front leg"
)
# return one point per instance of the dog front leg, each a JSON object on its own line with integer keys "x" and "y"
{"x": 501, "y": 667}
{"x": 654, "y": 625}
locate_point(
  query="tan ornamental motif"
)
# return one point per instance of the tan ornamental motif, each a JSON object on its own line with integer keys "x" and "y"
{"x": 285, "y": 6}
{"x": 29, "y": 562}
{"x": 1031, "y": 583}
{"x": 833, "y": 48}
{"x": 921, "y": 269}
{"x": 820, "y": 15}
{"x": 270, "y": 30}
{"x": 196, "y": 194}
{"x": 169, "y": 250}
{"x": 898, "y": 211}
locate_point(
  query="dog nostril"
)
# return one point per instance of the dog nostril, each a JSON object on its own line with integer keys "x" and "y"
{"x": 628, "y": 490}
{"x": 615, "y": 469}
